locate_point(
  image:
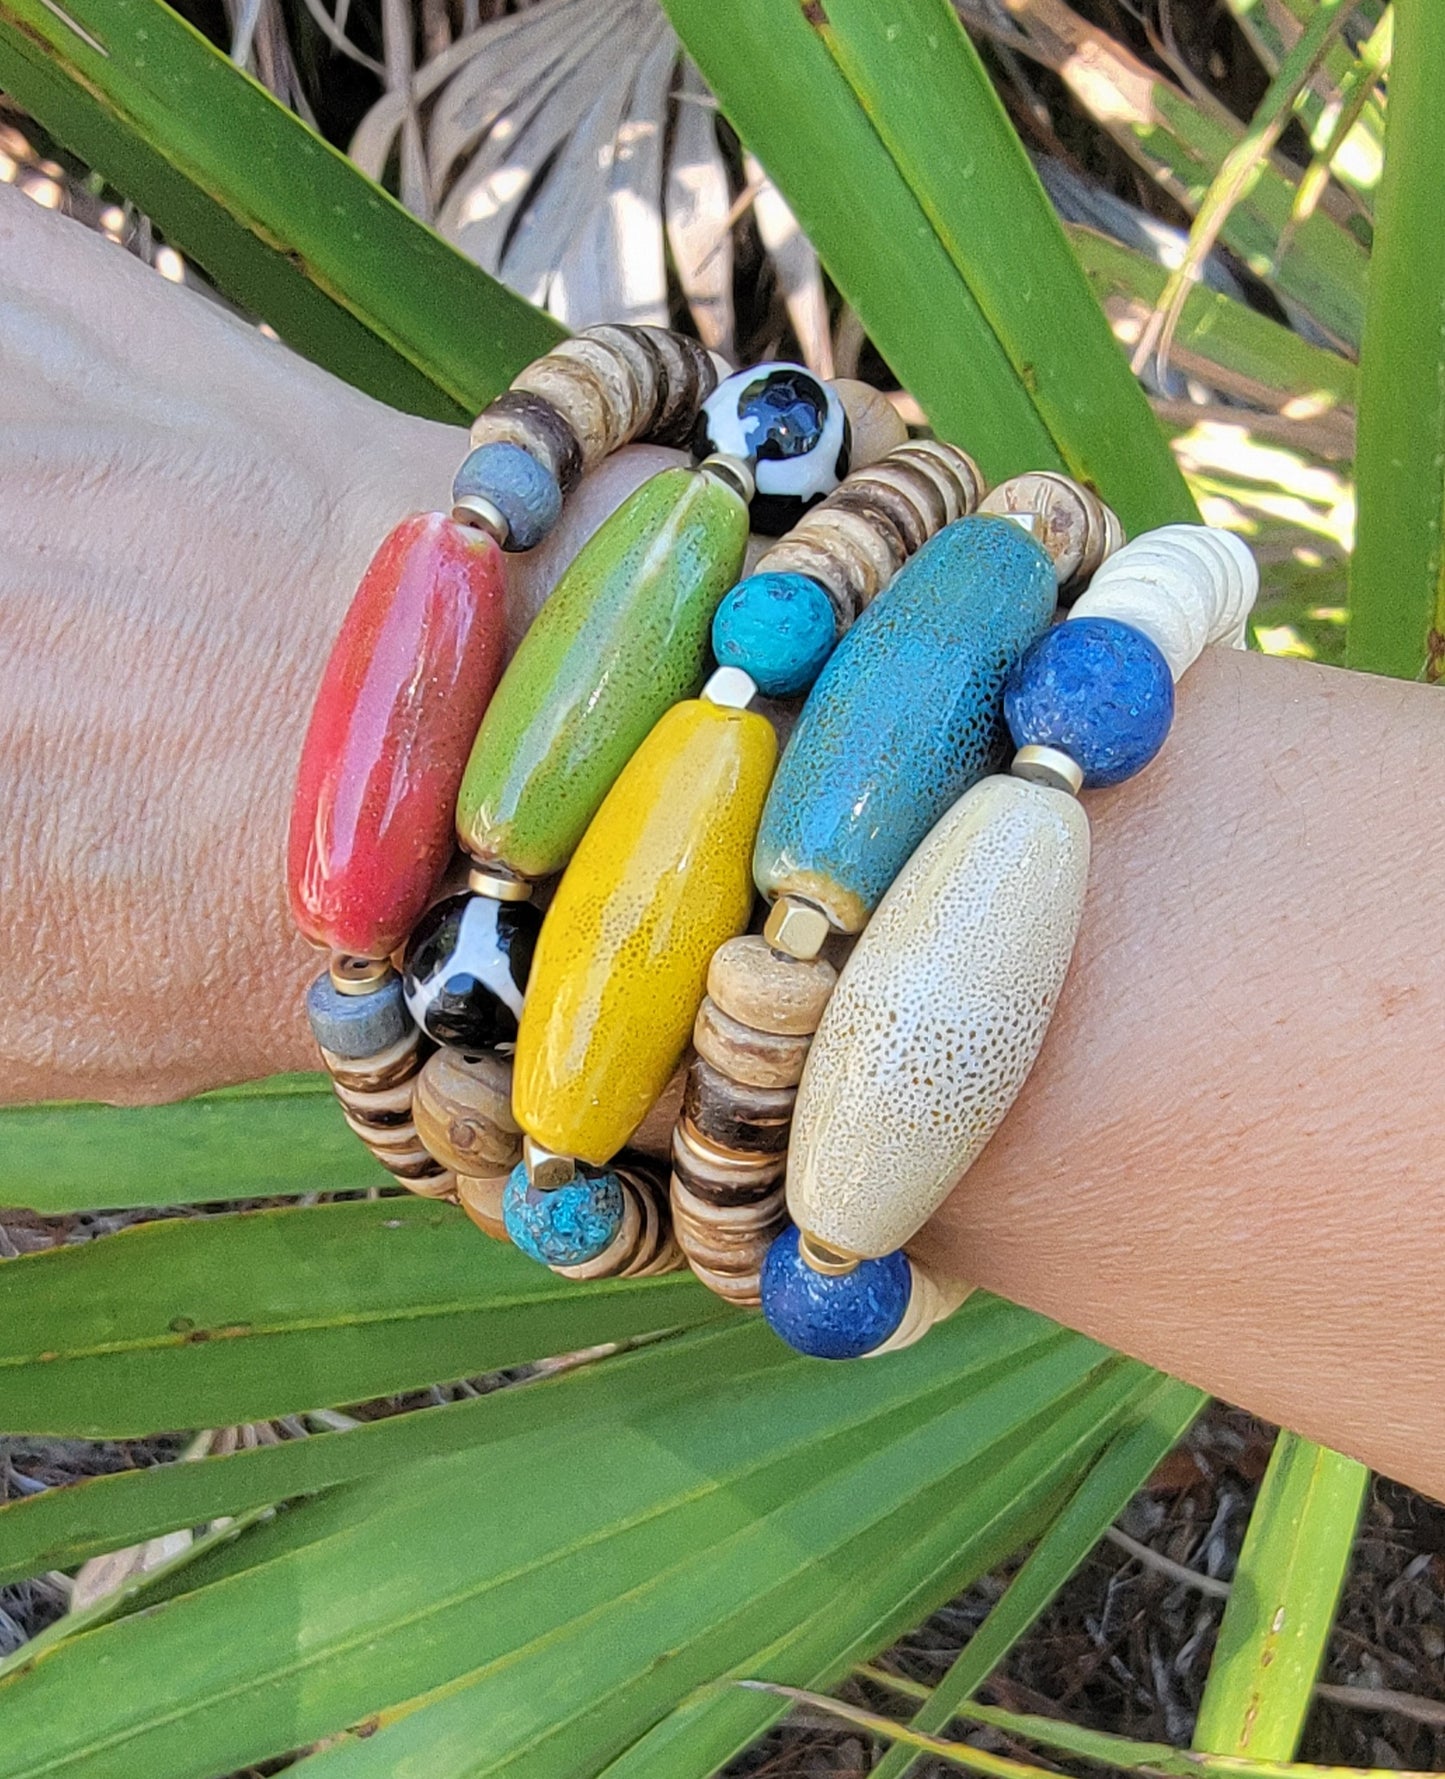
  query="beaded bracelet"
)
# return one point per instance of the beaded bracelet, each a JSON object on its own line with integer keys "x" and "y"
{"x": 591, "y": 751}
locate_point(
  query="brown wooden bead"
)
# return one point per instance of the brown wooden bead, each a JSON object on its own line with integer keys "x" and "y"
{"x": 633, "y": 346}
{"x": 761, "y": 1059}
{"x": 380, "y": 1105}
{"x": 770, "y": 992}
{"x": 1073, "y": 524}
{"x": 731, "y": 1115}
{"x": 481, "y": 1199}
{"x": 613, "y": 373}
{"x": 440, "y": 1183}
{"x": 579, "y": 397}
{"x": 726, "y": 1246}
{"x": 519, "y": 418}
{"x": 374, "y": 1074}
{"x": 951, "y": 470}
{"x": 463, "y": 1111}
{"x": 877, "y": 426}
{"x": 689, "y": 378}
{"x": 723, "y": 1176}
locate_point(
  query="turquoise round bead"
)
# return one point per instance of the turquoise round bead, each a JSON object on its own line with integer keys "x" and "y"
{"x": 565, "y": 1227}
{"x": 779, "y": 628}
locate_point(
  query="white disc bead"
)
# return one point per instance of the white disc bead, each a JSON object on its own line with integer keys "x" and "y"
{"x": 938, "y": 1016}
{"x": 1184, "y": 586}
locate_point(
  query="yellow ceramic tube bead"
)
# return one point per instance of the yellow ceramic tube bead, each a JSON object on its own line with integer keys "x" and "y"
{"x": 661, "y": 878}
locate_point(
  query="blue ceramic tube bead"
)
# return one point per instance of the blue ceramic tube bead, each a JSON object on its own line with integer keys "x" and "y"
{"x": 1098, "y": 690}
{"x": 904, "y": 718}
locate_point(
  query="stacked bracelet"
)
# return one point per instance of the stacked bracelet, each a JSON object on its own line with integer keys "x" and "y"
{"x": 514, "y": 1057}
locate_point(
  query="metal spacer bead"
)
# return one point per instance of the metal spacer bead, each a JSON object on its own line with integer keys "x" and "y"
{"x": 546, "y": 1169}
{"x": 796, "y": 928}
{"x": 731, "y": 688}
{"x": 832, "y": 1262}
{"x": 1049, "y": 766}
{"x": 732, "y": 472}
{"x": 478, "y": 512}
{"x": 500, "y": 885}
{"x": 359, "y": 975}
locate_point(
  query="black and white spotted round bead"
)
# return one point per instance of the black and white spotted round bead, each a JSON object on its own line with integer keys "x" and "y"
{"x": 790, "y": 426}
{"x": 466, "y": 970}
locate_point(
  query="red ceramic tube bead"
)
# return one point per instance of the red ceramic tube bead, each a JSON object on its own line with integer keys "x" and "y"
{"x": 418, "y": 656}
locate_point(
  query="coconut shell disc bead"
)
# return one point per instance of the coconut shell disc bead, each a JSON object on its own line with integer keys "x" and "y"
{"x": 904, "y": 718}
{"x": 938, "y": 1016}
{"x": 659, "y": 881}
{"x": 623, "y": 636}
{"x": 417, "y": 658}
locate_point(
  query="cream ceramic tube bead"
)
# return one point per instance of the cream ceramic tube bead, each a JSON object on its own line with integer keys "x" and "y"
{"x": 938, "y": 1016}
{"x": 1184, "y": 586}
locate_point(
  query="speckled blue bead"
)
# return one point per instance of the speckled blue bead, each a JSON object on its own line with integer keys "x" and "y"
{"x": 567, "y": 1226}
{"x": 1098, "y": 690}
{"x": 904, "y": 718}
{"x": 779, "y": 628}
{"x": 355, "y": 1026}
{"x": 522, "y": 491}
{"x": 828, "y": 1316}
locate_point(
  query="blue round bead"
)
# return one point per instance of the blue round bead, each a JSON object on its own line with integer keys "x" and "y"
{"x": 832, "y": 1317}
{"x": 1098, "y": 690}
{"x": 779, "y": 628}
{"x": 567, "y": 1226}
{"x": 522, "y": 491}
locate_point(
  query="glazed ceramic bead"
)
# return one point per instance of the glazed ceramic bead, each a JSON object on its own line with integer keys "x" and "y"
{"x": 623, "y": 636}
{"x": 905, "y": 716}
{"x": 790, "y": 426}
{"x": 757, "y": 1059}
{"x": 466, "y": 970}
{"x": 938, "y": 1016}
{"x": 832, "y": 1316}
{"x": 644, "y": 1245}
{"x": 1184, "y": 586}
{"x": 1096, "y": 689}
{"x": 565, "y": 1227}
{"x": 517, "y": 418}
{"x": 753, "y": 983}
{"x": 779, "y": 628}
{"x": 400, "y": 700}
{"x": 462, "y": 1107}
{"x": 659, "y": 881}
{"x": 875, "y": 424}
{"x": 357, "y": 1025}
{"x": 523, "y": 492}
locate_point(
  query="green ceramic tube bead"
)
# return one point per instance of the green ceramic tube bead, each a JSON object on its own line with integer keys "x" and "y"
{"x": 622, "y": 638}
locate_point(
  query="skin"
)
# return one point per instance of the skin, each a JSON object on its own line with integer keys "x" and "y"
{"x": 1226, "y": 1161}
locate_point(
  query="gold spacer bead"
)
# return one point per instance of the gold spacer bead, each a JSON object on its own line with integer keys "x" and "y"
{"x": 358, "y": 975}
{"x": 796, "y": 928}
{"x": 732, "y": 472}
{"x": 478, "y": 512}
{"x": 1049, "y": 766}
{"x": 501, "y": 886}
{"x": 546, "y": 1169}
{"x": 832, "y": 1262}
